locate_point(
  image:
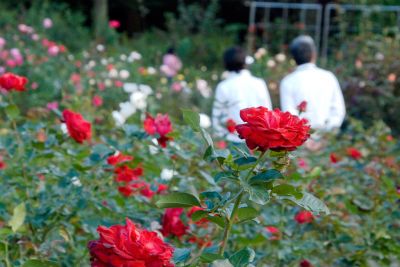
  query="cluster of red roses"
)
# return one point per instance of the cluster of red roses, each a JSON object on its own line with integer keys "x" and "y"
{"x": 160, "y": 125}
{"x": 131, "y": 177}
{"x": 129, "y": 246}
{"x": 10, "y": 81}
{"x": 78, "y": 128}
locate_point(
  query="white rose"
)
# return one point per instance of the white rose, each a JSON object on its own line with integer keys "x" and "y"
{"x": 130, "y": 87}
{"x": 124, "y": 74}
{"x": 118, "y": 118}
{"x": 205, "y": 121}
{"x": 167, "y": 174}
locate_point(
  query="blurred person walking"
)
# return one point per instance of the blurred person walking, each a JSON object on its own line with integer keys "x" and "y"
{"x": 239, "y": 90}
{"x": 311, "y": 92}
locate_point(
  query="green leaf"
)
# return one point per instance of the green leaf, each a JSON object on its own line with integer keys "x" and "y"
{"x": 198, "y": 215}
{"x": 210, "y": 257}
{"x": 309, "y": 202}
{"x": 258, "y": 194}
{"x": 243, "y": 257}
{"x": 224, "y": 175}
{"x": 287, "y": 190}
{"x": 246, "y": 214}
{"x": 5, "y": 232}
{"x": 39, "y": 263}
{"x": 192, "y": 118}
{"x": 265, "y": 176}
{"x": 245, "y": 161}
{"x": 206, "y": 136}
{"x": 181, "y": 254}
{"x": 218, "y": 220}
{"x": 18, "y": 218}
{"x": 177, "y": 200}
{"x": 12, "y": 111}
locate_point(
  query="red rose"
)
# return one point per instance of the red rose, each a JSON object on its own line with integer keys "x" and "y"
{"x": 78, "y": 128}
{"x": 3, "y": 165}
{"x": 304, "y": 216}
{"x": 118, "y": 158}
{"x": 305, "y": 263}
{"x": 272, "y": 129}
{"x": 125, "y": 190}
{"x": 127, "y": 174}
{"x": 161, "y": 125}
{"x": 274, "y": 232}
{"x": 10, "y": 81}
{"x": 97, "y": 101}
{"x": 129, "y": 246}
{"x": 302, "y": 107}
{"x": 334, "y": 158}
{"x": 172, "y": 223}
{"x": 354, "y": 153}
{"x": 162, "y": 188}
{"x": 230, "y": 125}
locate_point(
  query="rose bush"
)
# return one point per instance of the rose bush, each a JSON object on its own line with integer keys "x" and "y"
{"x": 208, "y": 201}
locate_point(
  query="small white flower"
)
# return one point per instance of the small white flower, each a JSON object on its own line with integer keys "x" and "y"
{"x": 123, "y": 57}
{"x": 203, "y": 88}
{"x": 124, "y": 74}
{"x": 103, "y": 61}
{"x": 91, "y": 64}
{"x": 100, "y": 47}
{"x": 113, "y": 73}
{"x": 92, "y": 82}
{"x": 280, "y": 57}
{"x": 167, "y": 174}
{"x": 75, "y": 181}
{"x": 153, "y": 149}
{"x": 205, "y": 121}
{"x": 151, "y": 70}
{"x": 138, "y": 100}
{"x": 118, "y": 118}
{"x": 145, "y": 89}
{"x": 130, "y": 87}
{"x": 224, "y": 75}
{"x": 64, "y": 129}
{"x": 135, "y": 55}
{"x": 203, "y": 68}
{"x": 249, "y": 60}
{"x": 70, "y": 57}
{"x": 127, "y": 109}
{"x": 85, "y": 54}
{"x": 108, "y": 82}
{"x": 271, "y": 63}
{"x": 379, "y": 56}
{"x": 214, "y": 77}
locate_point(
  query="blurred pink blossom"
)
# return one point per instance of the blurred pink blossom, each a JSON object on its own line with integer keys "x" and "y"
{"x": 47, "y": 23}
{"x": 97, "y": 101}
{"x": 171, "y": 65}
{"x": 114, "y": 24}
{"x": 52, "y": 105}
{"x": 34, "y": 86}
{"x": 2, "y": 42}
{"x": 53, "y": 50}
{"x": 25, "y": 29}
{"x": 176, "y": 87}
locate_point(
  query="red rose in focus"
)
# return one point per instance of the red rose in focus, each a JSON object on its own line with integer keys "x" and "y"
{"x": 230, "y": 125}
{"x": 10, "y": 81}
{"x": 114, "y": 24}
{"x": 302, "y": 107}
{"x": 354, "y": 153}
{"x": 274, "y": 232}
{"x": 77, "y": 127}
{"x": 172, "y": 223}
{"x": 304, "y": 216}
{"x": 129, "y": 246}
{"x": 97, "y": 101}
{"x": 202, "y": 221}
{"x": 305, "y": 263}
{"x": 334, "y": 158}
{"x": 160, "y": 125}
{"x": 118, "y": 158}
{"x": 272, "y": 129}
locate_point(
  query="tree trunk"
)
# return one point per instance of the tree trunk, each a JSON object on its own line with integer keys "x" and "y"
{"x": 100, "y": 18}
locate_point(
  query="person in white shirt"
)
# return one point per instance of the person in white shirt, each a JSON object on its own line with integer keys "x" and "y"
{"x": 238, "y": 91}
{"x": 319, "y": 88}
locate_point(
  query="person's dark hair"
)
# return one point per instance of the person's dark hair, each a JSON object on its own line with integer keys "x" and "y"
{"x": 234, "y": 59}
{"x": 302, "y": 49}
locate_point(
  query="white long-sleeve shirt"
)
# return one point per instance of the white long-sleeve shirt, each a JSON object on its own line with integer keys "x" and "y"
{"x": 238, "y": 91}
{"x": 320, "y": 89}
